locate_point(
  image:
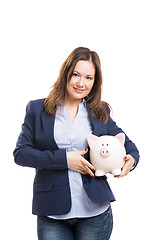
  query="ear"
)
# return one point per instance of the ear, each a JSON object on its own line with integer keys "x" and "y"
{"x": 91, "y": 139}
{"x": 121, "y": 138}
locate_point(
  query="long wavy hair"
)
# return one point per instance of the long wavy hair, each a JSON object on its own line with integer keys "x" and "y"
{"x": 59, "y": 89}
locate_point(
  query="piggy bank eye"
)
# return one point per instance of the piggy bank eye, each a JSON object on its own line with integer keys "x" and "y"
{"x": 107, "y": 144}
{"x": 102, "y": 144}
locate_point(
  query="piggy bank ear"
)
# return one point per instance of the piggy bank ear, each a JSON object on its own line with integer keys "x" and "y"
{"x": 121, "y": 138}
{"x": 91, "y": 139}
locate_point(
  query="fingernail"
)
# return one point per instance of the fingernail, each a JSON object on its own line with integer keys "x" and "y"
{"x": 125, "y": 157}
{"x": 92, "y": 176}
{"x": 86, "y": 149}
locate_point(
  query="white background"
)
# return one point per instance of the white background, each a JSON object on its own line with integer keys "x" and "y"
{"x": 36, "y": 37}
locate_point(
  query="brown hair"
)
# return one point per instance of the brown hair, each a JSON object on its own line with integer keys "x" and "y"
{"x": 58, "y": 92}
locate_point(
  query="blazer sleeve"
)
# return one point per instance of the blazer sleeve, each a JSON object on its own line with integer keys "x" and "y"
{"x": 129, "y": 145}
{"x": 25, "y": 153}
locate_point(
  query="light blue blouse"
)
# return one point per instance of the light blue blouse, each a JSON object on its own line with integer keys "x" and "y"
{"x": 73, "y": 137}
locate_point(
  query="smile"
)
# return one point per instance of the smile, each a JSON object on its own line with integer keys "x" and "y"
{"x": 79, "y": 90}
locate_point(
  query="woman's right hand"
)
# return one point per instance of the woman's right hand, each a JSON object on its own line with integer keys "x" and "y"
{"x": 79, "y": 164}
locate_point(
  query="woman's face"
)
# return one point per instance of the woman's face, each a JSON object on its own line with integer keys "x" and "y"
{"x": 81, "y": 81}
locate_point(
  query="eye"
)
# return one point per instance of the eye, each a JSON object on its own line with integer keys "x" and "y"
{"x": 75, "y": 74}
{"x": 89, "y": 77}
{"x": 107, "y": 144}
{"x": 102, "y": 144}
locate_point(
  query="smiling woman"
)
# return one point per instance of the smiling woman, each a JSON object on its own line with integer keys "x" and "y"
{"x": 69, "y": 200}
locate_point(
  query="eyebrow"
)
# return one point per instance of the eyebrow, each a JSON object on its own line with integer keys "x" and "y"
{"x": 88, "y": 75}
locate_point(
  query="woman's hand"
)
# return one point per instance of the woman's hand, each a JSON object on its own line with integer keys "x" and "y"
{"x": 129, "y": 163}
{"x": 79, "y": 164}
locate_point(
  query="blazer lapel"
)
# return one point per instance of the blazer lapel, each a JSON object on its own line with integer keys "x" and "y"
{"x": 48, "y": 124}
{"x": 96, "y": 130}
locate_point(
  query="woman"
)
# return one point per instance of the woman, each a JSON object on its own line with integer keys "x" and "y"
{"x": 70, "y": 202}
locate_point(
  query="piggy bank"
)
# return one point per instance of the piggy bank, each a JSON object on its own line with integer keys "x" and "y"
{"x": 107, "y": 153}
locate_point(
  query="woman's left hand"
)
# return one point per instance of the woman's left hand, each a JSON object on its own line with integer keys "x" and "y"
{"x": 129, "y": 163}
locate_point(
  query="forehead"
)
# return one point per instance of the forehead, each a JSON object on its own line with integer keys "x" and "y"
{"x": 85, "y": 67}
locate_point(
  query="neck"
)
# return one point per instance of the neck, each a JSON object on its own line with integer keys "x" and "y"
{"x": 72, "y": 102}
{"x": 72, "y": 108}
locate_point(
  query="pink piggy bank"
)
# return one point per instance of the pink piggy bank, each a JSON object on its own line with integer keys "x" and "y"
{"x": 107, "y": 153}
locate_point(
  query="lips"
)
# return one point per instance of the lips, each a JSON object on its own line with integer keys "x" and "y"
{"x": 79, "y": 90}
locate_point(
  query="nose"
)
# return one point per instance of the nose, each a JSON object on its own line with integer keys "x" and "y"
{"x": 81, "y": 81}
{"x": 104, "y": 152}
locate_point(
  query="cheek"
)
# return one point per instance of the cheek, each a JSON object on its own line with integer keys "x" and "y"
{"x": 72, "y": 82}
{"x": 90, "y": 85}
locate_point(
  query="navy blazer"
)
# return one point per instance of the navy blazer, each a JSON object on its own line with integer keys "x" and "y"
{"x": 37, "y": 148}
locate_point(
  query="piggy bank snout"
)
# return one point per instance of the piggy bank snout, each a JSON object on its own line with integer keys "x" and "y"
{"x": 104, "y": 152}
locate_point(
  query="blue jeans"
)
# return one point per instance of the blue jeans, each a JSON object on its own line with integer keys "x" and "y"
{"x": 93, "y": 228}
